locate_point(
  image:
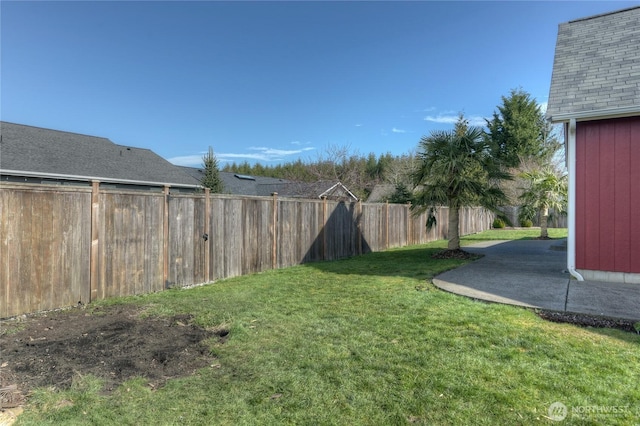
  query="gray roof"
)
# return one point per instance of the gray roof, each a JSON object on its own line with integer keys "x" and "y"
{"x": 239, "y": 184}
{"x": 596, "y": 70}
{"x": 381, "y": 192}
{"x": 331, "y": 189}
{"x": 35, "y": 151}
{"x": 263, "y": 186}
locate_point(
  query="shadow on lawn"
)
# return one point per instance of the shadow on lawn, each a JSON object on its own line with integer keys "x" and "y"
{"x": 417, "y": 262}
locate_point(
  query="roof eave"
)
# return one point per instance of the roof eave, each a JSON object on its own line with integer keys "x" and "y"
{"x": 26, "y": 173}
{"x": 602, "y": 114}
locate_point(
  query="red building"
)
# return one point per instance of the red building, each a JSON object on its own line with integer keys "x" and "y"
{"x": 595, "y": 92}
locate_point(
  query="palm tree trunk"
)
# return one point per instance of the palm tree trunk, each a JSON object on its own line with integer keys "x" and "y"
{"x": 454, "y": 228}
{"x": 544, "y": 217}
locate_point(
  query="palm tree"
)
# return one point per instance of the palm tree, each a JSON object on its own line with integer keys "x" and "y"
{"x": 546, "y": 190}
{"x": 456, "y": 169}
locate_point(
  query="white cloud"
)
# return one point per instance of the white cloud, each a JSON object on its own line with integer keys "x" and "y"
{"x": 474, "y": 120}
{"x": 278, "y": 152}
{"x": 187, "y": 160}
{"x": 445, "y": 119}
{"x": 358, "y": 125}
{"x": 260, "y": 154}
{"x": 394, "y": 130}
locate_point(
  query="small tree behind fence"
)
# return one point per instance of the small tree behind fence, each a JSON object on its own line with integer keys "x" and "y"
{"x": 60, "y": 246}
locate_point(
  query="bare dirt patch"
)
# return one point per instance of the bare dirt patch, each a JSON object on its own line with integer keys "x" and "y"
{"x": 584, "y": 320}
{"x": 456, "y": 254}
{"x": 112, "y": 343}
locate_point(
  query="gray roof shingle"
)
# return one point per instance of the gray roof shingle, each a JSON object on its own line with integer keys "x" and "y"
{"x": 265, "y": 186}
{"x": 597, "y": 65}
{"x": 44, "y": 151}
{"x": 240, "y": 184}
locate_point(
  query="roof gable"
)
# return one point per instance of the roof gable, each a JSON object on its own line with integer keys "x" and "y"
{"x": 42, "y": 152}
{"x": 332, "y": 190}
{"x": 596, "y": 68}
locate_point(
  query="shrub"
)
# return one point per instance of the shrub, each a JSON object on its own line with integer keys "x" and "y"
{"x": 526, "y": 223}
{"x": 499, "y": 223}
{"x": 526, "y": 213}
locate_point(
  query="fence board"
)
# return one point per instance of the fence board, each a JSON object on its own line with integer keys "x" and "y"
{"x": 216, "y": 239}
{"x": 233, "y": 242}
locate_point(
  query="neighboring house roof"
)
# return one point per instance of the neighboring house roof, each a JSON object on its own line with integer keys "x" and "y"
{"x": 330, "y": 189}
{"x": 596, "y": 71}
{"x": 235, "y": 183}
{"x": 381, "y": 192}
{"x": 44, "y": 153}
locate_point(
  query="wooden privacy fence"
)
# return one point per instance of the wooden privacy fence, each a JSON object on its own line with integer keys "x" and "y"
{"x": 62, "y": 245}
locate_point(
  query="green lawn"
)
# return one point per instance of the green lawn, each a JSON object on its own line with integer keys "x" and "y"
{"x": 514, "y": 234}
{"x": 368, "y": 341}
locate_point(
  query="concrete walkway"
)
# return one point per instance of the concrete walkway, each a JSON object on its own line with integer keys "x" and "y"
{"x": 533, "y": 273}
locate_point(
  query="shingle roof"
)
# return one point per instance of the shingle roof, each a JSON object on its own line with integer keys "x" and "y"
{"x": 235, "y": 183}
{"x": 265, "y": 186}
{"x": 51, "y": 152}
{"x": 597, "y": 65}
{"x": 331, "y": 189}
{"x": 381, "y": 192}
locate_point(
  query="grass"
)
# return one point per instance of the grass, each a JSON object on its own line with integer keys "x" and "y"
{"x": 366, "y": 341}
{"x": 514, "y": 234}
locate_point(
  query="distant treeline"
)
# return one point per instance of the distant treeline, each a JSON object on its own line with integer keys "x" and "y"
{"x": 358, "y": 173}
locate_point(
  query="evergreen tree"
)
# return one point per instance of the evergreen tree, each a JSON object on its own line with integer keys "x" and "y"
{"x": 518, "y": 130}
{"x": 401, "y": 195}
{"x": 211, "y": 178}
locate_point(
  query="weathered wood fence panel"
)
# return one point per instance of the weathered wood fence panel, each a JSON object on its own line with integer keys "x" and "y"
{"x": 64, "y": 245}
{"x": 257, "y": 235}
{"x": 186, "y": 245}
{"x": 130, "y": 244}
{"x": 44, "y": 248}
{"x": 372, "y": 222}
{"x": 299, "y": 232}
{"x": 340, "y": 231}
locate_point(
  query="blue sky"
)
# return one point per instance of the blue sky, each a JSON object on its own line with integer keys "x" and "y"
{"x": 273, "y": 81}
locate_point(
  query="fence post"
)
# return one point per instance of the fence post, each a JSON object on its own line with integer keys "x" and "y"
{"x": 359, "y": 225}
{"x": 165, "y": 239}
{"x": 324, "y": 227}
{"x": 274, "y": 223}
{"x": 95, "y": 240}
{"x": 386, "y": 229}
{"x": 409, "y": 233}
{"x": 207, "y": 231}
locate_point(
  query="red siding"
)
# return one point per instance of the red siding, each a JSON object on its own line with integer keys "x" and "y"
{"x": 608, "y": 195}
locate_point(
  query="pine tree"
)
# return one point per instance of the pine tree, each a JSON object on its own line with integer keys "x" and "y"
{"x": 211, "y": 178}
{"x": 519, "y": 131}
